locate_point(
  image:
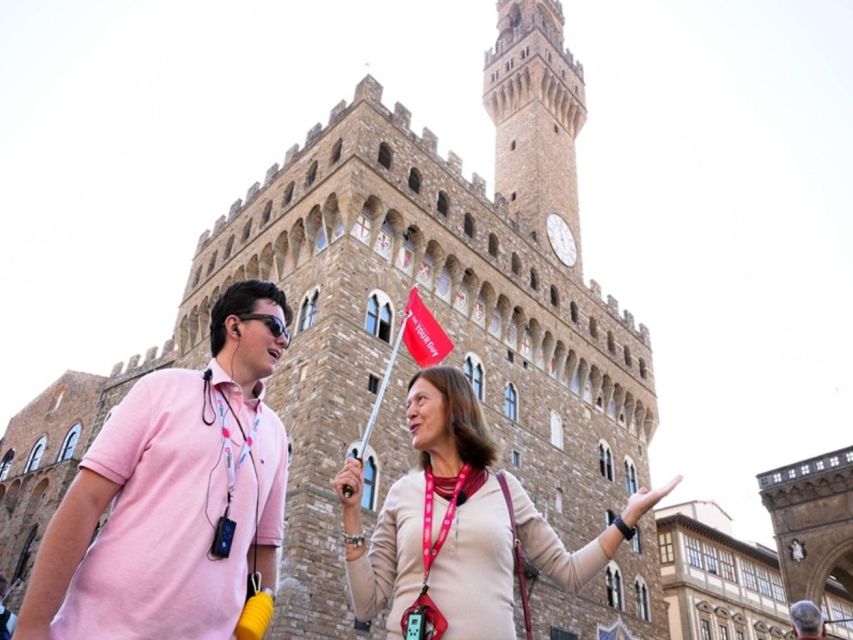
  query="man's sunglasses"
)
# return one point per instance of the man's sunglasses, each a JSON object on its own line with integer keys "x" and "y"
{"x": 273, "y": 323}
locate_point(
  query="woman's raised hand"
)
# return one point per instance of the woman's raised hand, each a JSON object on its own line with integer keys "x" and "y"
{"x": 644, "y": 499}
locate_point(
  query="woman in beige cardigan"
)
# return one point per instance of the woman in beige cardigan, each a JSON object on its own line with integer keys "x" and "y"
{"x": 450, "y": 557}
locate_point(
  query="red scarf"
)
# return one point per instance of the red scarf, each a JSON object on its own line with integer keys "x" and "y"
{"x": 476, "y": 479}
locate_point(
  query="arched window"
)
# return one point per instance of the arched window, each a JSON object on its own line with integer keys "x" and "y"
{"x": 379, "y": 316}
{"x": 197, "y": 277}
{"x": 556, "y": 431}
{"x": 573, "y": 311}
{"x": 6, "y": 464}
{"x": 336, "y": 151}
{"x": 371, "y": 476}
{"x": 516, "y": 264}
{"x": 626, "y": 353}
{"x": 493, "y": 245}
{"x": 613, "y": 582}
{"x": 593, "y": 327}
{"x": 26, "y": 552}
{"x": 636, "y": 543}
{"x": 66, "y": 451}
{"x": 247, "y": 230}
{"x": 385, "y": 155}
{"x": 288, "y": 195}
{"x": 630, "y": 476}
{"x": 415, "y": 180}
{"x": 643, "y": 373}
{"x": 642, "y": 595}
{"x": 534, "y": 280}
{"x": 35, "y": 455}
{"x": 611, "y": 343}
{"x": 211, "y": 264}
{"x": 267, "y": 214}
{"x": 442, "y": 204}
{"x": 558, "y": 501}
{"x": 311, "y": 176}
{"x": 473, "y": 368}
{"x": 555, "y": 297}
{"x": 605, "y": 460}
{"x": 308, "y": 311}
{"x": 229, "y": 246}
{"x": 511, "y": 402}
{"x": 468, "y": 226}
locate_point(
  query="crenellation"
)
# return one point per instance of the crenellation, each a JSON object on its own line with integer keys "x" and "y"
{"x": 595, "y": 289}
{"x": 235, "y": 208}
{"x": 501, "y": 206}
{"x": 402, "y": 117}
{"x": 133, "y": 362}
{"x": 429, "y": 141}
{"x": 219, "y": 225}
{"x": 253, "y": 191}
{"x": 202, "y": 240}
{"x": 150, "y": 355}
{"x": 337, "y": 112}
{"x": 118, "y": 367}
{"x": 290, "y": 155}
{"x": 644, "y": 335}
{"x": 168, "y": 347}
{"x": 272, "y": 172}
{"x": 313, "y": 133}
{"x": 628, "y": 317}
{"x": 454, "y": 163}
{"x": 479, "y": 185}
{"x": 368, "y": 90}
{"x": 613, "y": 306}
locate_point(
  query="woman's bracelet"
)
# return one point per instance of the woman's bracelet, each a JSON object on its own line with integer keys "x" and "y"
{"x": 356, "y": 540}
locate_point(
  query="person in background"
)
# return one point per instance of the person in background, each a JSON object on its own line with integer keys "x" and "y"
{"x": 807, "y": 621}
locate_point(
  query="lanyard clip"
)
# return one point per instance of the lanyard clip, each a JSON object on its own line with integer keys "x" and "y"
{"x": 425, "y": 589}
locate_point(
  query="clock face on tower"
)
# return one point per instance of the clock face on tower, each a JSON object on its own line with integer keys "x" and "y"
{"x": 562, "y": 240}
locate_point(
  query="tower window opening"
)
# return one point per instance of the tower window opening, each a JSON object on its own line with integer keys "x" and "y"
{"x": 312, "y": 175}
{"x": 512, "y": 197}
{"x": 556, "y": 129}
{"x": 512, "y": 146}
{"x": 442, "y": 204}
{"x": 385, "y": 155}
{"x": 468, "y": 225}
{"x": 415, "y": 180}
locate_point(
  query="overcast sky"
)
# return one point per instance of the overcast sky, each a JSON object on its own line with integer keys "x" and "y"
{"x": 715, "y": 179}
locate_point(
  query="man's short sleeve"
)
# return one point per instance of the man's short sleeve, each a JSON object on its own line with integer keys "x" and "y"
{"x": 119, "y": 446}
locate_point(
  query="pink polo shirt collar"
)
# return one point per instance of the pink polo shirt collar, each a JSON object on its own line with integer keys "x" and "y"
{"x": 221, "y": 378}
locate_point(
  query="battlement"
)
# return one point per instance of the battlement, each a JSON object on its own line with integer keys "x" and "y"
{"x": 507, "y": 41}
{"x": 137, "y": 366}
{"x": 370, "y": 91}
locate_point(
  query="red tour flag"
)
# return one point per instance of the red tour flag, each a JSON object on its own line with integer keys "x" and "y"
{"x": 424, "y": 337}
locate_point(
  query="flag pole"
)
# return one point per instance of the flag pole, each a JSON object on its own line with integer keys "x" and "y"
{"x": 371, "y": 421}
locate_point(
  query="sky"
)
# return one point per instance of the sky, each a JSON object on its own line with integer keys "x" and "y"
{"x": 714, "y": 179}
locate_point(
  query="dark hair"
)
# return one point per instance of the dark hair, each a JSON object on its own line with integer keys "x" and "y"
{"x": 472, "y": 439}
{"x": 238, "y": 299}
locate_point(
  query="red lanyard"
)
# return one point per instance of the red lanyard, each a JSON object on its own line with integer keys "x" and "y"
{"x": 431, "y": 550}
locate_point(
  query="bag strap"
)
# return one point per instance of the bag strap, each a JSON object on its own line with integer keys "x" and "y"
{"x": 519, "y": 555}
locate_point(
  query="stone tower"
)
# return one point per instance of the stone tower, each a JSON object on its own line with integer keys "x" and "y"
{"x": 534, "y": 92}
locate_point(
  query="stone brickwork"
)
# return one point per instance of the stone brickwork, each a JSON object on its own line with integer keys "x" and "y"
{"x": 367, "y": 207}
{"x": 30, "y": 492}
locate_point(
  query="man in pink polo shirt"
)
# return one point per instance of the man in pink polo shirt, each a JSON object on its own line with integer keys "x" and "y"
{"x": 195, "y": 465}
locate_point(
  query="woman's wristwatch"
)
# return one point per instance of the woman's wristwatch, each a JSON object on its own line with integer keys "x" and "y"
{"x": 627, "y": 531}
